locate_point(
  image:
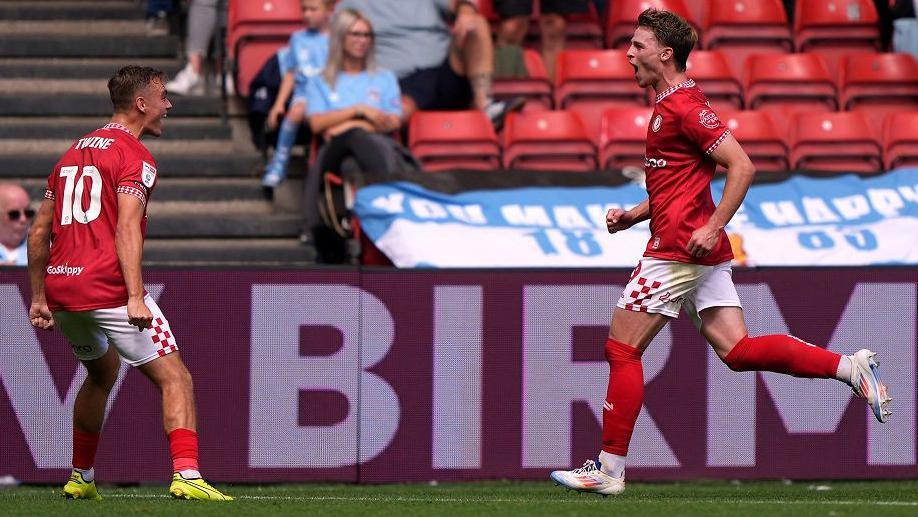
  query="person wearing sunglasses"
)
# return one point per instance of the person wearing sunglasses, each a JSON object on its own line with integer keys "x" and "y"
{"x": 15, "y": 216}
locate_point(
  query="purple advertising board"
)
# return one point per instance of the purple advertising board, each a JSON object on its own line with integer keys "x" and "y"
{"x": 389, "y": 376}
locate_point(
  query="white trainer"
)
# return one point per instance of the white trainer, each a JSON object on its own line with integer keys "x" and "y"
{"x": 865, "y": 382}
{"x": 186, "y": 82}
{"x": 589, "y": 478}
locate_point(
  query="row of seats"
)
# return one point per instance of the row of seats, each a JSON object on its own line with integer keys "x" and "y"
{"x": 590, "y": 80}
{"x": 560, "y": 140}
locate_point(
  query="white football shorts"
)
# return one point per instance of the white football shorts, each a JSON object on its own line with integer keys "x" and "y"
{"x": 91, "y": 332}
{"x": 663, "y": 286}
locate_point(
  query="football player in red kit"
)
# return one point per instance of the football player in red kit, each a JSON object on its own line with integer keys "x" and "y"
{"x": 85, "y": 252}
{"x": 687, "y": 261}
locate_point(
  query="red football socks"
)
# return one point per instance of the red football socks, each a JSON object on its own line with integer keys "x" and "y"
{"x": 84, "y": 449}
{"x": 624, "y": 396}
{"x": 783, "y": 354}
{"x": 183, "y": 445}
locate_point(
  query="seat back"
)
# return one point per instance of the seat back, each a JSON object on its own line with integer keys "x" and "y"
{"x": 834, "y": 23}
{"x": 757, "y": 133}
{"x": 623, "y": 137}
{"x": 263, "y": 11}
{"x": 596, "y": 75}
{"x": 840, "y": 141}
{"x": 454, "y": 140}
{"x": 547, "y": 140}
{"x": 789, "y": 79}
{"x": 900, "y": 140}
{"x": 536, "y": 89}
{"x": 709, "y": 68}
{"x": 878, "y": 77}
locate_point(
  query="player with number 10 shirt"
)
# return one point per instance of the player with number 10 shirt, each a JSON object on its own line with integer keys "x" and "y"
{"x": 83, "y": 269}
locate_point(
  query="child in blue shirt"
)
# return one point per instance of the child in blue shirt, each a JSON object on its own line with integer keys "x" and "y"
{"x": 308, "y": 50}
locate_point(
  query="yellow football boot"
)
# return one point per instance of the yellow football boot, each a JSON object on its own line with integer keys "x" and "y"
{"x": 195, "y": 489}
{"x": 78, "y": 488}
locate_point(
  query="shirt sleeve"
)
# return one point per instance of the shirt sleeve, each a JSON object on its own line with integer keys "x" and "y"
{"x": 702, "y": 126}
{"x": 137, "y": 177}
{"x": 391, "y": 101}
{"x": 52, "y": 179}
{"x": 285, "y": 59}
{"x": 315, "y": 100}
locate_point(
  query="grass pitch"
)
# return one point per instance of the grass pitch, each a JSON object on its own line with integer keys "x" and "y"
{"x": 490, "y": 498}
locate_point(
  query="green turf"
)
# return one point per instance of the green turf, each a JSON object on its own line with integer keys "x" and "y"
{"x": 493, "y": 499}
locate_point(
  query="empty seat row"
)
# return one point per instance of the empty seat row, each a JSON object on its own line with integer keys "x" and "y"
{"x": 559, "y": 140}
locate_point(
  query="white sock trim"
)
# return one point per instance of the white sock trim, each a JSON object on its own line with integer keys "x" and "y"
{"x": 88, "y": 475}
{"x": 845, "y": 367}
{"x": 612, "y": 464}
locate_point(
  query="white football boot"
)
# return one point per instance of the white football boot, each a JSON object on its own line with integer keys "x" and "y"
{"x": 589, "y": 478}
{"x": 865, "y": 382}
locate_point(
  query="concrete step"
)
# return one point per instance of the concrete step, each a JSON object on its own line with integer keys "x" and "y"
{"x": 77, "y": 68}
{"x": 246, "y": 252}
{"x": 19, "y": 166}
{"x": 73, "y": 127}
{"x": 126, "y": 46}
{"x": 156, "y": 146}
{"x": 183, "y": 189}
{"x": 63, "y": 10}
{"x": 71, "y": 27}
{"x": 220, "y": 220}
{"x": 99, "y": 104}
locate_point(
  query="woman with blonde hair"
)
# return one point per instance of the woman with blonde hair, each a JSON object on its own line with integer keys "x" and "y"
{"x": 353, "y": 105}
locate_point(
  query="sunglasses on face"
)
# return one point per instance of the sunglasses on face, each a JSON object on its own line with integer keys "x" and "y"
{"x": 15, "y": 215}
{"x": 360, "y": 34}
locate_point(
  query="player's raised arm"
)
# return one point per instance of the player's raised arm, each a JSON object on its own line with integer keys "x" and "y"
{"x": 129, "y": 245}
{"x": 740, "y": 172}
{"x": 39, "y": 251}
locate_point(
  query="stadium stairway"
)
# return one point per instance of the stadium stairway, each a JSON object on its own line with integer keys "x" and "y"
{"x": 208, "y": 208}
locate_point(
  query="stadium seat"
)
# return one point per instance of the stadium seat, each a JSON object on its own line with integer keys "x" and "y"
{"x": 622, "y": 15}
{"x": 444, "y": 140}
{"x": 536, "y": 88}
{"x": 547, "y": 140}
{"x": 784, "y": 83}
{"x": 839, "y": 142}
{"x": 900, "y": 140}
{"x": 255, "y": 31}
{"x": 712, "y": 73}
{"x": 832, "y": 28}
{"x": 623, "y": 137}
{"x": 744, "y": 27}
{"x": 600, "y": 78}
{"x": 760, "y": 138}
{"x": 878, "y": 84}
{"x": 584, "y": 31}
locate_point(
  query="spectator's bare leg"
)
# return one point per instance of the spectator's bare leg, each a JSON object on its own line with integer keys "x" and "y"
{"x": 475, "y": 59}
{"x": 553, "y": 28}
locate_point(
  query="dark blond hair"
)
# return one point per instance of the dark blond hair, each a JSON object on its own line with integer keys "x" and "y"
{"x": 341, "y": 23}
{"x": 130, "y": 80}
{"x": 671, "y": 30}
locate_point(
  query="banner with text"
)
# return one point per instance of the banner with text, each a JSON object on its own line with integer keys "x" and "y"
{"x": 846, "y": 220}
{"x": 389, "y": 376}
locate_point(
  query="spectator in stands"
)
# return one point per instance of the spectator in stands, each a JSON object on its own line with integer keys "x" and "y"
{"x": 514, "y": 24}
{"x": 15, "y": 217}
{"x": 904, "y": 26}
{"x": 352, "y": 104}
{"x": 202, "y": 21}
{"x": 439, "y": 68}
{"x": 306, "y": 58}
{"x": 158, "y": 17}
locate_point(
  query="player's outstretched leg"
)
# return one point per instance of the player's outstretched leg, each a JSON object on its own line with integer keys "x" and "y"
{"x": 865, "y": 382}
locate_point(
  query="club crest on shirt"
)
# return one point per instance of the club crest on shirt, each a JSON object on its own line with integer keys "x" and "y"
{"x": 709, "y": 119}
{"x": 657, "y": 123}
{"x": 374, "y": 96}
{"x": 148, "y": 175}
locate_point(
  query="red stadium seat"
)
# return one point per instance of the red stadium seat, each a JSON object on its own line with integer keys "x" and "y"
{"x": 878, "y": 84}
{"x": 622, "y": 15}
{"x": 900, "y": 140}
{"x": 623, "y": 137}
{"x": 444, "y": 140}
{"x": 832, "y": 28}
{"x": 712, "y": 73}
{"x": 784, "y": 83}
{"x": 840, "y": 142}
{"x": 601, "y": 78}
{"x": 760, "y": 138}
{"x": 256, "y": 29}
{"x": 584, "y": 31}
{"x": 536, "y": 88}
{"x": 744, "y": 27}
{"x": 547, "y": 140}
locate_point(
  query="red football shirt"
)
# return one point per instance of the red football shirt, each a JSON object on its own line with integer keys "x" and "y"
{"x": 682, "y": 134}
{"x": 83, "y": 269}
